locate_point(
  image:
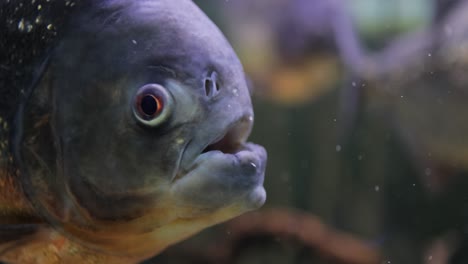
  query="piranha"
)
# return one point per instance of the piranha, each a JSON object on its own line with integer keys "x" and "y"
{"x": 131, "y": 138}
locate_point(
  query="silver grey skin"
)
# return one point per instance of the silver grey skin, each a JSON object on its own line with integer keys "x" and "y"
{"x": 113, "y": 178}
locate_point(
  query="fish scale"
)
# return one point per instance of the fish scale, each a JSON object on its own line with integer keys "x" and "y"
{"x": 12, "y": 202}
{"x": 26, "y": 36}
{"x": 22, "y": 47}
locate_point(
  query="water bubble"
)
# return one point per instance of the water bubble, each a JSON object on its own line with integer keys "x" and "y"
{"x": 377, "y": 188}
{"x": 338, "y": 148}
{"x": 21, "y": 25}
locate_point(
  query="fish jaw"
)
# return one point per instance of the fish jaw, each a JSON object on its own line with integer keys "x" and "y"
{"x": 219, "y": 186}
{"x": 222, "y": 179}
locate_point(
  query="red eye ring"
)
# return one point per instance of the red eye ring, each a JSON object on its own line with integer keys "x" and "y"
{"x": 152, "y": 104}
{"x": 149, "y": 105}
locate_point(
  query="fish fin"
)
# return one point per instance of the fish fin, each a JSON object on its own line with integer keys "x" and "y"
{"x": 355, "y": 58}
{"x": 36, "y": 243}
{"x": 346, "y": 38}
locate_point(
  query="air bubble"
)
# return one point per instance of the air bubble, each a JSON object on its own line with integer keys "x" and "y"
{"x": 21, "y": 25}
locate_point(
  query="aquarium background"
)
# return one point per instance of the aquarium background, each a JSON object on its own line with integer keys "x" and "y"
{"x": 366, "y": 127}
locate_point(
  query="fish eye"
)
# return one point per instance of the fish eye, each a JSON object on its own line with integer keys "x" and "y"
{"x": 152, "y": 104}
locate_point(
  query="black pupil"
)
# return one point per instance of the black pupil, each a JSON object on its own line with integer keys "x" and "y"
{"x": 149, "y": 105}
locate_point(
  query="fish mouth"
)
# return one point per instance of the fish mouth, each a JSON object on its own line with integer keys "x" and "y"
{"x": 230, "y": 142}
{"x": 227, "y": 171}
{"x": 233, "y": 139}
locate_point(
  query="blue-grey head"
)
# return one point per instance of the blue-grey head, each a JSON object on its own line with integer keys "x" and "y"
{"x": 135, "y": 135}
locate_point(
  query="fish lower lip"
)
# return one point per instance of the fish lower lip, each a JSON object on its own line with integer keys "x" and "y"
{"x": 218, "y": 179}
{"x": 248, "y": 156}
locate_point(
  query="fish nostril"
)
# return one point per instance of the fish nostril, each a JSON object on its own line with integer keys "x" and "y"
{"x": 211, "y": 85}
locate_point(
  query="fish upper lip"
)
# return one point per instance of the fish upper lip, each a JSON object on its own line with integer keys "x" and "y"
{"x": 233, "y": 138}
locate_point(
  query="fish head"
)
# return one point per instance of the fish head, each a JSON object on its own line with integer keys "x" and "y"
{"x": 135, "y": 136}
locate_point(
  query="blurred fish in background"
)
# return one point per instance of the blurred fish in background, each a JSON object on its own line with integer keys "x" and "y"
{"x": 294, "y": 50}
